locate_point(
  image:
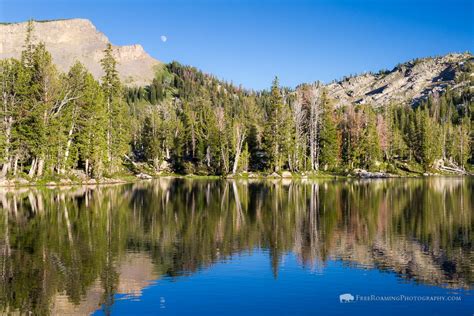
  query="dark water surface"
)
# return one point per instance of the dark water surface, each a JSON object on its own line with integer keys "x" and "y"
{"x": 217, "y": 247}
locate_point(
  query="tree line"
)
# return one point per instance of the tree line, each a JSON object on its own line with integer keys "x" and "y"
{"x": 198, "y": 124}
{"x": 55, "y": 124}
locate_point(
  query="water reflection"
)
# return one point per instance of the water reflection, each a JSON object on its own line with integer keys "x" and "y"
{"x": 73, "y": 249}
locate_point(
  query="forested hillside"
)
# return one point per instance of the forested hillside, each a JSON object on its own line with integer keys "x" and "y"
{"x": 58, "y": 125}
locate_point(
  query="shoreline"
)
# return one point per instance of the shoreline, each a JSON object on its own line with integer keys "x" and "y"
{"x": 22, "y": 182}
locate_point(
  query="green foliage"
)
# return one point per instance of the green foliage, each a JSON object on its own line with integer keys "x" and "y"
{"x": 187, "y": 121}
{"x": 278, "y": 129}
{"x": 117, "y": 112}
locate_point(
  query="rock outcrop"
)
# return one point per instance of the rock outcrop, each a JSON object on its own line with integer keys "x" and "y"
{"x": 408, "y": 83}
{"x": 78, "y": 40}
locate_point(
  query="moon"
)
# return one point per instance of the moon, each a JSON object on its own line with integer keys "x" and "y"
{"x": 163, "y": 38}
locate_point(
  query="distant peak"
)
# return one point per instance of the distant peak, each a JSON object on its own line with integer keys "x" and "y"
{"x": 74, "y": 39}
{"x": 74, "y": 20}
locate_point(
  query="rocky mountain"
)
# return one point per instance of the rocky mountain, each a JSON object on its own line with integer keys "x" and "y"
{"x": 78, "y": 39}
{"x": 407, "y": 83}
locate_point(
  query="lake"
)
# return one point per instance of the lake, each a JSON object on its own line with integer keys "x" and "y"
{"x": 253, "y": 247}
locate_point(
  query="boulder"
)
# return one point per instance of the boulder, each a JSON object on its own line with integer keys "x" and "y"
{"x": 286, "y": 174}
{"x": 144, "y": 176}
{"x": 21, "y": 181}
{"x": 79, "y": 174}
{"x": 165, "y": 166}
{"x": 364, "y": 174}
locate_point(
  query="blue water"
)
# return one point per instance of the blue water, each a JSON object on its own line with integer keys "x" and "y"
{"x": 245, "y": 285}
{"x": 192, "y": 247}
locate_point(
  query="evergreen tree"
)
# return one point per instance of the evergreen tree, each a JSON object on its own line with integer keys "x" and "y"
{"x": 91, "y": 132}
{"x": 14, "y": 89}
{"x": 329, "y": 146}
{"x": 45, "y": 89}
{"x": 274, "y": 128}
{"x": 190, "y": 122}
{"x": 117, "y": 127}
{"x": 429, "y": 146}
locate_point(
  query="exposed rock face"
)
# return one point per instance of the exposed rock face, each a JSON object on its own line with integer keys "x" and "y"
{"x": 407, "y": 83}
{"x": 78, "y": 40}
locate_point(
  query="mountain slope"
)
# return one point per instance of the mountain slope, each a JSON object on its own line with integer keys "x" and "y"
{"x": 78, "y": 39}
{"x": 407, "y": 83}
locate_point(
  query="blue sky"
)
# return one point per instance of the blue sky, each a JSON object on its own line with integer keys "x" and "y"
{"x": 249, "y": 42}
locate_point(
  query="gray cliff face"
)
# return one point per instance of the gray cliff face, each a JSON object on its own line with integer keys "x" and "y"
{"x": 407, "y": 83}
{"x": 78, "y": 40}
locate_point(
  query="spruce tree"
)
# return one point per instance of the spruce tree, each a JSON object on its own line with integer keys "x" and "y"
{"x": 274, "y": 128}
{"x": 328, "y": 156}
{"x": 117, "y": 126}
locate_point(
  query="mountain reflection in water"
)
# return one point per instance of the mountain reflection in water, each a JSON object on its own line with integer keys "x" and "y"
{"x": 72, "y": 250}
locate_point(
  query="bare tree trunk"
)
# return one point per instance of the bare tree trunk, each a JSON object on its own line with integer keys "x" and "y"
{"x": 68, "y": 146}
{"x": 87, "y": 167}
{"x": 5, "y": 168}
{"x": 238, "y": 149}
{"x": 15, "y": 165}
{"x": 8, "y": 124}
{"x": 208, "y": 156}
{"x": 32, "y": 172}
{"x": 299, "y": 118}
{"x": 224, "y": 160}
{"x": 39, "y": 172}
{"x": 313, "y": 129}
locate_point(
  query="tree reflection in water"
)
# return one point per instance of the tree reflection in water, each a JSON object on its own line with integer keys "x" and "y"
{"x": 75, "y": 248}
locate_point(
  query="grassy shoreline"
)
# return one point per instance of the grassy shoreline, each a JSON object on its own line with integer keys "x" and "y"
{"x": 130, "y": 178}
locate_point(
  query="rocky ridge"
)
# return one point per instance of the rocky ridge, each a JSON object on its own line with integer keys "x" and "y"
{"x": 78, "y": 40}
{"x": 407, "y": 83}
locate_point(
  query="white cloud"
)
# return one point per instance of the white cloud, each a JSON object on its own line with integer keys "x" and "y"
{"x": 163, "y": 38}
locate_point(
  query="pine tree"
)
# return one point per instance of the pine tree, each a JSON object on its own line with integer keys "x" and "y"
{"x": 329, "y": 147}
{"x": 45, "y": 89}
{"x": 91, "y": 130}
{"x": 117, "y": 127}
{"x": 52, "y": 122}
{"x": 429, "y": 146}
{"x": 274, "y": 128}
{"x": 14, "y": 79}
{"x": 370, "y": 141}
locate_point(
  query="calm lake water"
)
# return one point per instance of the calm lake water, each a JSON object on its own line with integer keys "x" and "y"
{"x": 192, "y": 247}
